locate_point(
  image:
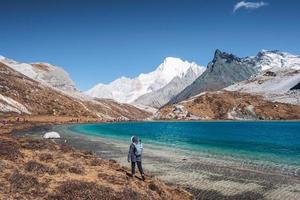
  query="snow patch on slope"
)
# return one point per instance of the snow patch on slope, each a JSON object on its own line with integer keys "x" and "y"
{"x": 276, "y": 59}
{"x": 280, "y": 72}
{"x": 23, "y": 68}
{"x": 55, "y": 76}
{"x": 44, "y": 73}
{"x": 7, "y": 104}
{"x": 281, "y": 83}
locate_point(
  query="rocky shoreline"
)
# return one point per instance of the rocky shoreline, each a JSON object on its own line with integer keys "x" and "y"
{"x": 204, "y": 176}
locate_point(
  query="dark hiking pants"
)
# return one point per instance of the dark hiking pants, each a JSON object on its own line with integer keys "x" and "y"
{"x": 139, "y": 164}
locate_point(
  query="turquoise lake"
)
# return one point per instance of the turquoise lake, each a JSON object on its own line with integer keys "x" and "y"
{"x": 272, "y": 142}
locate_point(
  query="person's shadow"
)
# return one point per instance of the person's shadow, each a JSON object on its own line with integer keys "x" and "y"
{"x": 129, "y": 174}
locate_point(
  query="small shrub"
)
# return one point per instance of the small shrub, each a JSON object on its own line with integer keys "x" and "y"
{"x": 88, "y": 153}
{"x": 2, "y": 165}
{"x": 122, "y": 169}
{"x": 20, "y": 182}
{"x": 152, "y": 186}
{"x": 77, "y": 190}
{"x": 129, "y": 193}
{"x": 76, "y": 169}
{"x": 96, "y": 162}
{"x": 65, "y": 148}
{"x": 9, "y": 150}
{"x": 62, "y": 167}
{"x": 35, "y": 144}
{"x": 46, "y": 157}
{"x": 83, "y": 154}
{"x": 112, "y": 179}
{"x": 38, "y": 168}
{"x": 112, "y": 161}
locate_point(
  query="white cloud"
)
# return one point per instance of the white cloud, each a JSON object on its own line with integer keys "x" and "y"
{"x": 248, "y": 5}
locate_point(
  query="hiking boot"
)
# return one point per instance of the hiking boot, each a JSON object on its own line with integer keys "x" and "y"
{"x": 143, "y": 177}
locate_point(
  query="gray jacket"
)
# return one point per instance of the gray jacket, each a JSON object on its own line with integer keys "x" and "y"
{"x": 131, "y": 153}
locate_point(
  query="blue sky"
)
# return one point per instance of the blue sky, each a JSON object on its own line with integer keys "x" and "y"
{"x": 99, "y": 41}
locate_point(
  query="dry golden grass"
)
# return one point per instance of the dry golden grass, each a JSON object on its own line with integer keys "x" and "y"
{"x": 42, "y": 169}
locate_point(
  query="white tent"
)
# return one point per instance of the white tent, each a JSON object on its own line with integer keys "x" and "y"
{"x": 51, "y": 135}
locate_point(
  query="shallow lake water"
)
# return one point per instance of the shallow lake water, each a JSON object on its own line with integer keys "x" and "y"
{"x": 213, "y": 160}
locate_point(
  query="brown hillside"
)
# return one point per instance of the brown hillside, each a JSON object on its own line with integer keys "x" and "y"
{"x": 40, "y": 99}
{"x": 230, "y": 105}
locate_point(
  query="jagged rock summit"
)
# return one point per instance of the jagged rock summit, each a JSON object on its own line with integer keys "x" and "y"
{"x": 270, "y": 92}
{"x": 224, "y": 70}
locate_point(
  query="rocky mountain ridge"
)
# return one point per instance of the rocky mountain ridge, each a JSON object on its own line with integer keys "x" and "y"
{"x": 224, "y": 70}
{"x": 274, "y": 84}
{"x": 227, "y": 69}
{"x": 22, "y": 95}
{"x": 271, "y": 77}
{"x": 43, "y": 72}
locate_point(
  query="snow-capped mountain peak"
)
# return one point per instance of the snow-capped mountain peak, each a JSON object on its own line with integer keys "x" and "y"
{"x": 172, "y": 67}
{"x": 276, "y": 59}
{"x": 170, "y": 62}
{"x": 160, "y": 97}
{"x": 279, "y": 74}
{"x": 127, "y": 90}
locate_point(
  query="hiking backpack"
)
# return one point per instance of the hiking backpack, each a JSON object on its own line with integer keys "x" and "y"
{"x": 138, "y": 149}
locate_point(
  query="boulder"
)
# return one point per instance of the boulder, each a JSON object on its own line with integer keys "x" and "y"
{"x": 270, "y": 73}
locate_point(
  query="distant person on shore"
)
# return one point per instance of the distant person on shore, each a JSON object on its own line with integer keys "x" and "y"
{"x": 135, "y": 156}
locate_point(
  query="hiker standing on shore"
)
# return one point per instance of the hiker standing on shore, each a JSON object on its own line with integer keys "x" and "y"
{"x": 135, "y": 156}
